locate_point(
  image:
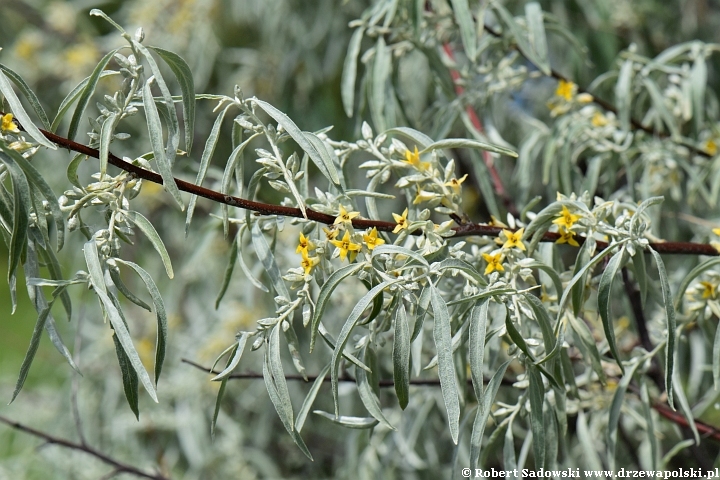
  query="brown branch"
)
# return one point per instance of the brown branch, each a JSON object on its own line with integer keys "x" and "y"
{"x": 385, "y": 383}
{"x": 466, "y": 229}
{"x": 118, "y": 466}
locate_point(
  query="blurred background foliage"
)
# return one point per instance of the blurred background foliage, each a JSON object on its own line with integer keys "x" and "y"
{"x": 289, "y": 53}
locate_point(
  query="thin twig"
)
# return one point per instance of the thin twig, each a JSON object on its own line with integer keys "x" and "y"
{"x": 466, "y": 229}
{"x": 385, "y": 383}
{"x": 119, "y": 466}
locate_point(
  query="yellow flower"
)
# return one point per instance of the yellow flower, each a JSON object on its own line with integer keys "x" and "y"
{"x": 305, "y": 244}
{"x": 455, "y": 183}
{"x": 514, "y": 239}
{"x": 716, "y": 231}
{"x": 8, "y": 124}
{"x": 566, "y": 219}
{"x": 566, "y": 89}
{"x": 308, "y": 262}
{"x": 401, "y": 220}
{"x": 423, "y": 196}
{"x": 599, "y": 120}
{"x": 330, "y": 233}
{"x": 708, "y": 290}
{"x": 566, "y": 236}
{"x": 371, "y": 239}
{"x": 711, "y": 147}
{"x": 494, "y": 262}
{"x": 345, "y": 246}
{"x": 413, "y": 158}
{"x": 345, "y": 217}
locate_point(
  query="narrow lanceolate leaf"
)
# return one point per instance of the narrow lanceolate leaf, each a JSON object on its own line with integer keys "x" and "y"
{"x": 416, "y": 136}
{"x": 28, "y": 93}
{"x": 72, "y": 96}
{"x": 685, "y": 407}
{"x": 483, "y": 412}
{"x": 32, "y": 349}
{"x": 464, "y": 20}
{"x": 671, "y": 326}
{"x": 156, "y": 140}
{"x": 536, "y": 32}
{"x": 160, "y": 313}
{"x": 324, "y": 297}
{"x": 623, "y": 93}
{"x": 347, "y": 421}
{"x": 234, "y": 359}
{"x": 310, "y": 399}
{"x": 380, "y": 73}
{"x": 207, "y": 154}
{"x": 446, "y": 367}
{"x": 536, "y": 392}
{"x": 349, "y": 73}
{"x": 368, "y": 396}
{"x": 450, "y": 143}
{"x": 604, "y": 292}
{"x": 342, "y": 340}
{"x": 221, "y": 393}
{"x": 129, "y": 378}
{"x": 519, "y": 36}
{"x": 147, "y": 228}
{"x": 476, "y": 345}
{"x": 184, "y": 76}
{"x": 87, "y": 92}
{"x": 401, "y": 356}
{"x": 21, "y": 214}
{"x": 615, "y": 408}
{"x": 266, "y": 257}
{"x": 106, "y": 136}
{"x": 229, "y": 268}
{"x": 22, "y": 116}
{"x": 328, "y": 167}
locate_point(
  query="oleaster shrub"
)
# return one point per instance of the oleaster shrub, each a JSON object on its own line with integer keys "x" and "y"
{"x": 375, "y": 264}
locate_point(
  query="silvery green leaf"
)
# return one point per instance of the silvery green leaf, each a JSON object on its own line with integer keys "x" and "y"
{"x": 615, "y": 407}
{"x": 147, "y": 228}
{"x": 330, "y": 341}
{"x": 649, "y": 422}
{"x": 519, "y": 36}
{"x": 324, "y": 296}
{"x": 578, "y": 291}
{"x": 36, "y": 179}
{"x": 416, "y": 136}
{"x": 294, "y": 349}
{"x": 32, "y": 349}
{"x": 446, "y": 367}
{"x": 698, "y": 82}
{"x": 536, "y": 392}
{"x": 28, "y": 93}
{"x": 464, "y": 20}
{"x": 671, "y": 326}
{"x": 490, "y": 292}
{"x": 160, "y": 314}
{"x": 96, "y": 12}
{"x": 87, "y": 92}
{"x": 623, "y": 93}
{"x": 129, "y": 378}
{"x": 476, "y": 345}
{"x": 509, "y": 459}
{"x": 228, "y": 270}
{"x": 543, "y": 318}
{"x": 221, "y": 393}
{"x": 234, "y": 358}
{"x": 587, "y": 345}
{"x": 349, "y": 73}
{"x": 347, "y": 421}
{"x": 536, "y": 34}
{"x": 310, "y": 399}
{"x": 397, "y": 250}
{"x": 483, "y": 412}
{"x": 680, "y": 446}
{"x": 365, "y": 193}
{"x": 72, "y": 96}
{"x": 450, "y": 143}
{"x": 453, "y": 264}
{"x": 72, "y": 168}
{"x": 342, "y": 340}
{"x": 156, "y": 140}
{"x": 207, "y": 154}
{"x": 637, "y": 216}
{"x": 658, "y": 103}
{"x": 604, "y": 292}
{"x": 716, "y": 359}
{"x": 328, "y": 167}
{"x": 184, "y": 76}
{"x": 401, "y": 356}
{"x": 22, "y": 116}
{"x": 106, "y": 136}
{"x": 587, "y": 441}
{"x": 267, "y": 259}
{"x": 380, "y": 74}
{"x": 557, "y": 283}
{"x": 21, "y": 214}
{"x": 234, "y": 165}
{"x": 368, "y": 396}
{"x": 122, "y": 288}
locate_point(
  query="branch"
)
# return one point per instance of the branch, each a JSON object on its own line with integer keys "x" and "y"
{"x": 385, "y": 383}
{"x": 119, "y": 466}
{"x": 465, "y": 229}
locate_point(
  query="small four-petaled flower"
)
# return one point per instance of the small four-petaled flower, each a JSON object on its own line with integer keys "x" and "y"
{"x": 307, "y": 262}
{"x": 456, "y": 183}
{"x": 371, "y": 239}
{"x": 8, "y": 123}
{"x": 413, "y": 159}
{"x": 345, "y": 217}
{"x": 401, "y": 220}
{"x": 305, "y": 244}
{"x": 566, "y": 219}
{"x": 346, "y": 246}
{"x": 514, "y": 239}
{"x": 494, "y": 262}
{"x": 566, "y": 236}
